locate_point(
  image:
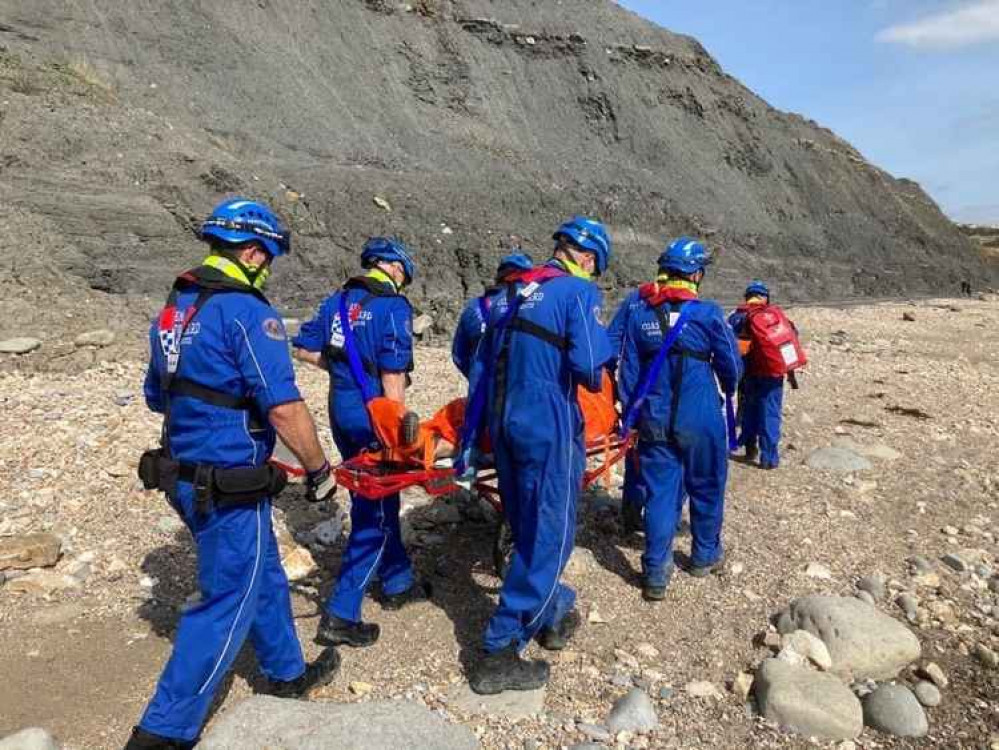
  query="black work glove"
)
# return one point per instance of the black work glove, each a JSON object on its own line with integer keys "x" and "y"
{"x": 320, "y": 485}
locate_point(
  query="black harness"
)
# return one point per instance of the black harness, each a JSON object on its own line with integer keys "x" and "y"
{"x": 214, "y": 487}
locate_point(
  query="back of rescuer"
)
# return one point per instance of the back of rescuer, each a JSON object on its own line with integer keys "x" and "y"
{"x": 221, "y": 374}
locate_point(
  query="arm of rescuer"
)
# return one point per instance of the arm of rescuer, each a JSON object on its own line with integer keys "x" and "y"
{"x": 589, "y": 348}
{"x": 312, "y": 338}
{"x": 261, "y": 353}
{"x": 725, "y": 358}
{"x": 395, "y": 351}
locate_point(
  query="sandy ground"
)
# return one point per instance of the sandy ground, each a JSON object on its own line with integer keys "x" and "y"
{"x": 83, "y": 661}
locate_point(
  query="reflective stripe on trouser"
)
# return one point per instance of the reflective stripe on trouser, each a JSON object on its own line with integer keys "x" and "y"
{"x": 540, "y": 472}
{"x": 763, "y": 402}
{"x": 244, "y": 592}
{"x": 375, "y": 547}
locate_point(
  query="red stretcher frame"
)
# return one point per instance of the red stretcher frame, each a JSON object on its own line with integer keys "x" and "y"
{"x": 375, "y": 480}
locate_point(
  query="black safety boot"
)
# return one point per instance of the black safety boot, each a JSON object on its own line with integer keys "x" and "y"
{"x": 505, "y": 670}
{"x": 557, "y": 637}
{"x": 336, "y": 632}
{"x": 143, "y": 740}
{"x": 318, "y": 673}
{"x": 752, "y": 452}
{"x": 700, "y": 571}
{"x": 420, "y": 591}
{"x": 631, "y": 518}
{"x": 654, "y": 593}
{"x": 410, "y": 427}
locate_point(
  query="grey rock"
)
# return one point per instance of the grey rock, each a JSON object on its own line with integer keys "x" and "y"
{"x": 954, "y": 562}
{"x": 927, "y": 693}
{"x": 921, "y": 565}
{"x": 893, "y": 709}
{"x": 932, "y": 672}
{"x": 837, "y": 459}
{"x": 263, "y": 722}
{"x": 97, "y": 339}
{"x": 810, "y": 703}
{"x": 994, "y": 585}
{"x": 34, "y": 738}
{"x": 909, "y": 604}
{"x": 986, "y": 656}
{"x": 874, "y": 585}
{"x": 866, "y": 598}
{"x": 862, "y": 641}
{"x": 512, "y": 704}
{"x": 595, "y": 732}
{"x": 21, "y": 345}
{"x": 422, "y": 324}
{"x": 587, "y": 746}
{"x": 633, "y": 712}
{"x": 124, "y": 398}
{"x": 666, "y": 692}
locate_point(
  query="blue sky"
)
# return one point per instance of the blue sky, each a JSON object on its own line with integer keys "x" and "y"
{"x": 913, "y": 84}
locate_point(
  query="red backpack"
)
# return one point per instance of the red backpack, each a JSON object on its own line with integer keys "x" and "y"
{"x": 775, "y": 349}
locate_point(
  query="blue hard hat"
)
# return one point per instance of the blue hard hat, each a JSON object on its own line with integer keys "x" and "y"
{"x": 757, "y": 288}
{"x": 389, "y": 250}
{"x": 589, "y": 235}
{"x": 513, "y": 263}
{"x": 685, "y": 255}
{"x": 236, "y": 221}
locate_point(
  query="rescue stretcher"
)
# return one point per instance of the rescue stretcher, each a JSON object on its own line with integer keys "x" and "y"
{"x": 377, "y": 474}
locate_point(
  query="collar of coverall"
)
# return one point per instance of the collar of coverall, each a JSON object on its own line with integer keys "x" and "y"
{"x": 757, "y": 301}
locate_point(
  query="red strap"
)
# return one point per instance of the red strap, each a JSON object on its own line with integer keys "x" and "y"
{"x": 540, "y": 274}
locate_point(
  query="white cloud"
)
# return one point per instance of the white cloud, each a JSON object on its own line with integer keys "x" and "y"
{"x": 973, "y": 23}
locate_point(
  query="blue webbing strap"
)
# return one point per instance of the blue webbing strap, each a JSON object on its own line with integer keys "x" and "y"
{"x": 642, "y": 392}
{"x": 350, "y": 348}
{"x": 733, "y": 440}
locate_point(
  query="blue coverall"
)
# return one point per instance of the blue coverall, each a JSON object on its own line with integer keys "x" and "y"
{"x": 236, "y": 344}
{"x": 761, "y": 403}
{"x": 536, "y": 427}
{"x": 382, "y": 326}
{"x": 471, "y": 327}
{"x": 684, "y": 450}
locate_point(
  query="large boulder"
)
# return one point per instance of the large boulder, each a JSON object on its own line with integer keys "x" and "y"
{"x": 266, "y": 723}
{"x": 34, "y": 738}
{"x": 894, "y": 709}
{"x": 864, "y": 643}
{"x": 810, "y": 703}
{"x": 39, "y": 550}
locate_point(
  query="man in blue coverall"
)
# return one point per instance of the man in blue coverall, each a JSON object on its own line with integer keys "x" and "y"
{"x": 472, "y": 323}
{"x": 682, "y": 441}
{"x": 221, "y": 374}
{"x": 545, "y": 337}
{"x": 380, "y": 332}
{"x": 761, "y": 396}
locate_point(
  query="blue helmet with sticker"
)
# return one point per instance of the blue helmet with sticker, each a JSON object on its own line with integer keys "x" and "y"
{"x": 513, "y": 263}
{"x": 685, "y": 255}
{"x": 757, "y": 288}
{"x": 388, "y": 250}
{"x": 589, "y": 235}
{"x": 237, "y": 221}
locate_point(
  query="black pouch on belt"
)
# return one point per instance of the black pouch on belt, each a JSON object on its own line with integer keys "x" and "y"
{"x": 149, "y": 468}
{"x": 238, "y": 486}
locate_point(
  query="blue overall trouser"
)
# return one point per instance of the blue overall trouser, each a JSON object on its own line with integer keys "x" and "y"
{"x": 540, "y": 456}
{"x": 696, "y": 467}
{"x": 244, "y": 593}
{"x": 763, "y": 402}
{"x": 375, "y": 545}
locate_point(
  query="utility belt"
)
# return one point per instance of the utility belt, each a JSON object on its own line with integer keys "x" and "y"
{"x": 214, "y": 488}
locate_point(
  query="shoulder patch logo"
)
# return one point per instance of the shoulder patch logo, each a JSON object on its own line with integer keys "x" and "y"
{"x": 274, "y": 329}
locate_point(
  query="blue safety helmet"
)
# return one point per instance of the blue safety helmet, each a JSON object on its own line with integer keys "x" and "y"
{"x": 589, "y": 235}
{"x": 388, "y": 250}
{"x": 685, "y": 255}
{"x": 236, "y": 221}
{"x": 513, "y": 263}
{"x": 757, "y": 288}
